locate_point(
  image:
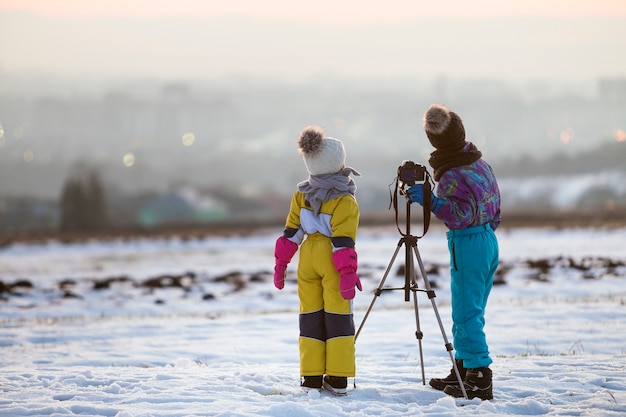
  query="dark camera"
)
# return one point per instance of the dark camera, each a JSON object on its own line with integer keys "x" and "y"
{"x": 410, "y": 173}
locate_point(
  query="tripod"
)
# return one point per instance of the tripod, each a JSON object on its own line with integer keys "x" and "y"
{"x": 410, "y": 286}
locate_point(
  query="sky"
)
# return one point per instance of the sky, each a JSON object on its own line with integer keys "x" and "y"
{"x": 327, "y": 11}
{"x": 280, "y": 38}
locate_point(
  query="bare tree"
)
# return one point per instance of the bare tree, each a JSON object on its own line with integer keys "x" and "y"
{"x": 83, "y": 202}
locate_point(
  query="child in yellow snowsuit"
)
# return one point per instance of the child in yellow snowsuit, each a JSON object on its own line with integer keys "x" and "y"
{"x": 323, "y": 219}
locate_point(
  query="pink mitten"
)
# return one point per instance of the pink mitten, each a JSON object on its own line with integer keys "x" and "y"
{"x": 345, "y": 261}
{"x": 283, "y": 252}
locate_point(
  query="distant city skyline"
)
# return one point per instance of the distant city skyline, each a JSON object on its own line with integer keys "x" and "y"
{"x": 193, "y": 39}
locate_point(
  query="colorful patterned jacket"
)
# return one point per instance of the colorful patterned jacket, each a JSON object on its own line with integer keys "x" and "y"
{"x": 471, "y": 196}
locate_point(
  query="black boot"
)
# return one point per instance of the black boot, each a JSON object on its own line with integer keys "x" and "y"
{"x": 337, "y": 385}
{"x": 441, "y": 383}
{"x": 311, "y": 382}
{"x": 477, "y": 383}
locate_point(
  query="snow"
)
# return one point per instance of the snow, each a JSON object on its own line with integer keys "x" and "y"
{"x": 560, "y": 191}
{"x": 224, "y": 341}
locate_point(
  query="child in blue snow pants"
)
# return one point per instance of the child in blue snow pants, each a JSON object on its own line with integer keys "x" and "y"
{"x": 473, "y": 262}
{"x": 467, "y": 200}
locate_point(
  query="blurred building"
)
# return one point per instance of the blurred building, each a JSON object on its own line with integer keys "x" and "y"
{"x": 612, "y": 89}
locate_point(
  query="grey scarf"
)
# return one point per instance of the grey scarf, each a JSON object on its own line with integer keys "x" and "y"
{"x": 320, "y": 188}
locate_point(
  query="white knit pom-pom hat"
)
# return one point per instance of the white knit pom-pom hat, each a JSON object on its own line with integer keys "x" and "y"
{"x": 322, "y": 155}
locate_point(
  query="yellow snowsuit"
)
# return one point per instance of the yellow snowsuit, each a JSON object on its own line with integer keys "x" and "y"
{"x": 326, "y": 339}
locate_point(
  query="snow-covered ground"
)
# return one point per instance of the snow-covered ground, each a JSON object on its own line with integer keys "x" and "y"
{"x": 175, "y": 327}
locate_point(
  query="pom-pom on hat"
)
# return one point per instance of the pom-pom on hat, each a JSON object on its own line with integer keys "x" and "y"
{"x": 444, "y": 128}
{"x": 322, "y": 155}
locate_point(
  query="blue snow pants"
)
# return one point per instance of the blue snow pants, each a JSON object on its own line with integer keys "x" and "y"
{"x": 474, "y": 256}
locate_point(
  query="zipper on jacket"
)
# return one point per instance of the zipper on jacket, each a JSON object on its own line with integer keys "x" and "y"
{"x": 454, "y": 257}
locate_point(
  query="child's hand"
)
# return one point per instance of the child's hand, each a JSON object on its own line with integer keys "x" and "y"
{"x": 347, "y": 283}
{"x": 345, "y": 261}
{"x": 416, "y": 193}
{"x": 280, "y": 272}
{"x": 283, "y": 252}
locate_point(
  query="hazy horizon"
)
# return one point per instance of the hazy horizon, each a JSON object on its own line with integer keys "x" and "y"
{"x": 160, "y": 93}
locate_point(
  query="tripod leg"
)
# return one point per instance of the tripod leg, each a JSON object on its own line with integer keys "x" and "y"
{"x": 418, "y": 333}
{"x": 379, "y": 289}
{"x": 411, "y": 286}
{"x": 431, "y": 296}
